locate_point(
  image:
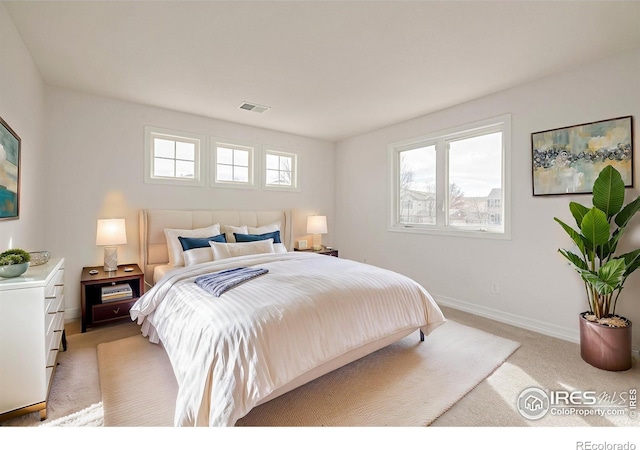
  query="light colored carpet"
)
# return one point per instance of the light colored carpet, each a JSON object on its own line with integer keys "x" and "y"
{"x": 75, "y": 385}
{"x": 544, "y": 362}
{"x": 406, "y": 384}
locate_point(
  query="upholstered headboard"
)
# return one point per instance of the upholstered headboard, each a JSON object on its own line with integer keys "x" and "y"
{"x": 153, "y": 243}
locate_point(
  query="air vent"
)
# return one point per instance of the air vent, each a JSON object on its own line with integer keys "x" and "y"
{"x": 254, "y": 107}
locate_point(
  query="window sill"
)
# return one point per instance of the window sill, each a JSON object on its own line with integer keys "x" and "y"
{"x": 474, "y": 234}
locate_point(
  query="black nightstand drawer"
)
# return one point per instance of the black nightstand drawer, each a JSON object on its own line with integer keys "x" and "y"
{"x": 105, "y": 312}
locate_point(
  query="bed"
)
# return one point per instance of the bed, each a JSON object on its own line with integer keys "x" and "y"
{"x": 306, "y": 315}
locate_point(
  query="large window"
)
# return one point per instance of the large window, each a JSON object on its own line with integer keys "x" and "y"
{"x": 173, "y": 157}
{"x": 233, "y": 164}
{"x": 453, "y": 182}
{"x": 280, "y": 170}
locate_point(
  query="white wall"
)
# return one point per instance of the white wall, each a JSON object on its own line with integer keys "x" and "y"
{"x": 538, "y": 290}
{"x": 22, "y": 108}
{"x": 95, "y": 170}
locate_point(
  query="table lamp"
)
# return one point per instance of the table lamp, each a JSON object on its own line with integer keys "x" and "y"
{"x": 317, "y": 226}
{"x": 111, "y": 232}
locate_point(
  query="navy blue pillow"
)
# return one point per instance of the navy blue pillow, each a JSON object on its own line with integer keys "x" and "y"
{"x": 275, "y": 235}
{"x": 191, "y": 243}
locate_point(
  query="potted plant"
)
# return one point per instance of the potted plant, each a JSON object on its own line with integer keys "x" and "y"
{"x": 14, "y": 262}
{"x": 605, "y": 337}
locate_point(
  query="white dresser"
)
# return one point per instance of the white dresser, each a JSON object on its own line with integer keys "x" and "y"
{"x": 31, "y": 334}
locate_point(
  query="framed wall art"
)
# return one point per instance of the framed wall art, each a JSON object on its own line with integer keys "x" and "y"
{"x": 9, "y": 172}
{"x": 568, "y": 160}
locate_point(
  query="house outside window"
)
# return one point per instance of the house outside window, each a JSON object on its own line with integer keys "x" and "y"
{"x": 454, "y": 182}
{"x": 280, "y": 170}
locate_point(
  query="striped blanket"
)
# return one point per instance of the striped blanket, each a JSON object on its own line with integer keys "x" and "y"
{"x": 218, "y": 283}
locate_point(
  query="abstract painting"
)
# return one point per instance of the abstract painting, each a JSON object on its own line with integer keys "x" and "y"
{"x": 9, "y": 172}
{"x": 568, "y": 160}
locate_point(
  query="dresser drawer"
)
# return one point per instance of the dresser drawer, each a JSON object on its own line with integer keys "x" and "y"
{"x": 55, "y": 327}
{"x": 109, "y": 311}
{"x": 53, "y": 304}
{"x": 54, "y": 343}
{"x": 54, "y": 321}
{"x": 57, "y": 280}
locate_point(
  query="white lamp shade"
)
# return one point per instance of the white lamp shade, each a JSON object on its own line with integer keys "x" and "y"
{"x": 317, "y": 225}
{"x": 111, "y": 232}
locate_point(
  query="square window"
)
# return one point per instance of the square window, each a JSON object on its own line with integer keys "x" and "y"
{"x": 233, "y": 165}
{"x": 174, "y": 157}
{"x": 281, "y": 170}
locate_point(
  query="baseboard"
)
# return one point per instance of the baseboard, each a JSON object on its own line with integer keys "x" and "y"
{"x": 72, "y": 314}
{"x": 538, "y": 326}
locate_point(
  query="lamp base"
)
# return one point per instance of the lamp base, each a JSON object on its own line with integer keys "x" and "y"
{"x": 317, "y": 242}
{"x": 110, "y": 259}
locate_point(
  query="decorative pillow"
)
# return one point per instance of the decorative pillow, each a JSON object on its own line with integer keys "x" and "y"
{"x": 279, "y": 248}
{"x": 229, "y": 250}
{"x": 263, "y": 229}
{"x": 175, "y": 248}
{"x": 198, "y": 250}
{"x": 275, "y": 235}
{"x": 229, "y": 231}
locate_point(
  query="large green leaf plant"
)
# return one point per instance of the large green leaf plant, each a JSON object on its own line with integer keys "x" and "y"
{"x": 598, "y": 233}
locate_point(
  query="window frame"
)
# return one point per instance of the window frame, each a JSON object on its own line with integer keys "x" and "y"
{"x": 200, "y": 141}
{"x": 440, "y": 138}
{"x": 254, "y": 170}
{"x": 295, "y": 171}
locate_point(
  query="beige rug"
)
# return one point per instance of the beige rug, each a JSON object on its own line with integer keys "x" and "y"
{"x": 137, "y": 383}
{"x": 406, "y": 384}
{"x": 91, "y": 416}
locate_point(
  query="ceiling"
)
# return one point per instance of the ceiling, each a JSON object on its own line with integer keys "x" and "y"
{"x": 327, "y": 69}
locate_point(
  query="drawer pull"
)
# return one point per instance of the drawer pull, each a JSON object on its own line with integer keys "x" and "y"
{"x": 116, "y": 311}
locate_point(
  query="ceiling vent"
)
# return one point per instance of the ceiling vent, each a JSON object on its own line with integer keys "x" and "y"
{"x": 254, "y": 107}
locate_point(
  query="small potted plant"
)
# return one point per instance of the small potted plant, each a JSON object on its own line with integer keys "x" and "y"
{"x": 14, "y": 262}
{"x": 605, "y": 337}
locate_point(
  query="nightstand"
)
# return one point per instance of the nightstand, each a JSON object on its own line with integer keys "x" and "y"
{"x": 324, "y": 251}
{"x": 108, "y": 296}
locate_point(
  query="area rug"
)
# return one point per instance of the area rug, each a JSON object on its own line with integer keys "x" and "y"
{"x": 91, "y": 416}
{"x": 409, "y": 383}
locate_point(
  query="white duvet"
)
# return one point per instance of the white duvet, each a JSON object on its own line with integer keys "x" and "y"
{"x": 230, "y": 352}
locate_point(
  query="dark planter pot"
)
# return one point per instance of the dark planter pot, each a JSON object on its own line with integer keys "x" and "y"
{"x": 605, "y": 347}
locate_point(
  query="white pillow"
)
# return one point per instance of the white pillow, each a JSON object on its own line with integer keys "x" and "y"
{"x": 223, "y": 251}
{"x": 175, "y": 248}
{"x": 198, "y": 250}
{"x": 264, "y": 229}
{"x": 230, "y": 229}
{"x": 279, "y": 248}
{"x": 197, "y": 256}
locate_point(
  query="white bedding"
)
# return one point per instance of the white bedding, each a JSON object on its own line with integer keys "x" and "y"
{"x": 160, "y": 271}
{"x": 231, "y": 352}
